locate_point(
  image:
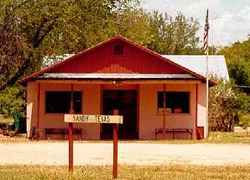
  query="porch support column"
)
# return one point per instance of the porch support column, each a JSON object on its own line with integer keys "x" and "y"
{"x": 39, "y": 133}
{"x": 164, "y": 111}
{"x": 194, "y": 134}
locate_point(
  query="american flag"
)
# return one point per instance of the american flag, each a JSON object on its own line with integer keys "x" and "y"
{"x": 205, "y": 38}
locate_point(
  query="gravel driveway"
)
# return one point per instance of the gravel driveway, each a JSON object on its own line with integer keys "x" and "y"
{"x": 55, "y": 153}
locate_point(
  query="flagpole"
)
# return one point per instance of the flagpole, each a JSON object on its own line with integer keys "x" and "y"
{"x": 206, "y": 48}
{"x": 207, "y": 91}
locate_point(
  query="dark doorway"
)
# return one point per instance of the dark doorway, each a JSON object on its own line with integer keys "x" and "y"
{"x": 126, "y": 102}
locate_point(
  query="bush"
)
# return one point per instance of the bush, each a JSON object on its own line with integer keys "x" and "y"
{"x": 244, "y": 120}
{"x": 12, "y": 100}
{"x": 225, "y": 103}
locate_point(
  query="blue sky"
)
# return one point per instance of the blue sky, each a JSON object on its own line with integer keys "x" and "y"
{"x": 229, "y": 19}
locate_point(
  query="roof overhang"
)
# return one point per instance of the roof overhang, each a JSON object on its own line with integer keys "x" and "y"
{"x": 113, "y": 76}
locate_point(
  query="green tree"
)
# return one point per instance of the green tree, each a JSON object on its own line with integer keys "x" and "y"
{"x": 238, "y": 60}
{"x": 174, "y": 35}
{"x": 32, "y": 29}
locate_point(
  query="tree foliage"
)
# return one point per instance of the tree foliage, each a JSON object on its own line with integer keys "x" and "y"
{"x": 32, "y": 29}
{"x": 12, "y": 100}
{"x": 238, "y": 61}
{"x": 160, "y": 32}
{"x": 174, "y": 35}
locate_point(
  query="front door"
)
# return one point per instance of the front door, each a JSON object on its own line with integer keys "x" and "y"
{"x": 126, "y": 102}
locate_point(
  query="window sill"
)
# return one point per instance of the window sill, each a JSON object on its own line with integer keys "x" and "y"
{"x": 161, "y": 113}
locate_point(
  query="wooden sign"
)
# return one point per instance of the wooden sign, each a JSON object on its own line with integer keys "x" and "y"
{"x": 82, "y": 118}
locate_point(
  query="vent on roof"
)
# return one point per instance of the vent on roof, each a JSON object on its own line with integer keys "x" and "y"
{"x": 118, "y": 49}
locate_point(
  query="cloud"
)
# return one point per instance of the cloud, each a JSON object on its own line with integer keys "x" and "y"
{"x": 229, "y": 19}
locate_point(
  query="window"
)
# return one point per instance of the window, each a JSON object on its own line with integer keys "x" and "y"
{"x": 59, "y": 101}
{"x": 175, "y": 102}
{"x": 118, "y": 49}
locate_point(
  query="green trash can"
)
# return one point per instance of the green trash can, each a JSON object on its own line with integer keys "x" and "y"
{"x": 17, "y": 120}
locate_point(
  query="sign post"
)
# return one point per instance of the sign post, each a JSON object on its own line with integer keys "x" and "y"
{"x": 70, "y": 129}
{"x": 115, "y": 145}
{"x": 115, "y": 150}
{"x": 108, "y": 119}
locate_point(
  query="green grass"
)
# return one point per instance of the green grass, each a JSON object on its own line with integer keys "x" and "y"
{"x": 175, "y": 172}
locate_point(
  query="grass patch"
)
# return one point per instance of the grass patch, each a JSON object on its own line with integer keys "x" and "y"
{"x": 174, "y": 172}
{"x": 228, "y": 137}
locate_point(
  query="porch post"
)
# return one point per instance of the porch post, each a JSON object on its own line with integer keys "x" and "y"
{"x": 196, "y": 113}
{"x": 39, "y": 133}
{"x": 164, "y": 111}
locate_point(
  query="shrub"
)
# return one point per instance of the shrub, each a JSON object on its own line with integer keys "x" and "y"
{"x": 12, "y": 100}
{"x": 225, "y": 103}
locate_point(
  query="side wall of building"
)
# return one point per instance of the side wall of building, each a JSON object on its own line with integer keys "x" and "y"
{"x": 31, "y": 107}
{"x": 202, "y": 109}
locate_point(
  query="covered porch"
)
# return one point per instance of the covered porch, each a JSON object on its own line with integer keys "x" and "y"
{"x": 154, "y": 106}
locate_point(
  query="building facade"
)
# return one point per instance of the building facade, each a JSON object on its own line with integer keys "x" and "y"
{"x": 157, "y": 97}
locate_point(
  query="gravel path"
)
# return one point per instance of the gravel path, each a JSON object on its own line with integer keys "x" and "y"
{"x": 55, "y": 153}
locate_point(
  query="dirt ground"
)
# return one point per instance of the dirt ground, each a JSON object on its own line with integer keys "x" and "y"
{"x": 100, "y": 153}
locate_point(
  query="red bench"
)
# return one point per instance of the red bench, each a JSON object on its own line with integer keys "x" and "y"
{"x": 173, "y": 131}
{"x": 63, "y": 132}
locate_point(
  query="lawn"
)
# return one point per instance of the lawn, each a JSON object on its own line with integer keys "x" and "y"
{"x": 180, "y": 172}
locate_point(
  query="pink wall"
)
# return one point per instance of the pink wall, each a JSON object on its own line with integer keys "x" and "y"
{"x": 31, "y": 107}
{"x": 149, "y": 116}
{"x": 91, "y": 105}
{"x": 202, "y": 109}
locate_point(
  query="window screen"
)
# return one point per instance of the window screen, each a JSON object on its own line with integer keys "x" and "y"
{"x": 177, "y": 102}
{"x": 59, "y": 101}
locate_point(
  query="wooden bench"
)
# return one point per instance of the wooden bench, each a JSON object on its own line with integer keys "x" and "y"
{"x": 62, "y": 131}
{"x": 173, "y": 131}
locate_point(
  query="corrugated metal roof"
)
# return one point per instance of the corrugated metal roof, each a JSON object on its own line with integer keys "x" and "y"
{"x": 197, "y": 63}
{"x": 107, "y": 76}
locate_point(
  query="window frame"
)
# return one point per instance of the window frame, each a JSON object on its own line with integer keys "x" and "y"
{"x": 161, "y": 109}
{"x": 63, "y": 91}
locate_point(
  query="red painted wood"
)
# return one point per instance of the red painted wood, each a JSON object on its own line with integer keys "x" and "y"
{"x": 38, "y": 111}
{"x": 200, "y": 132}
{"x": 115, "y": 145}
{"x": 102, "y": 60}
{"x": 70, "y": 137}
{"x": 115, "y": 150}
